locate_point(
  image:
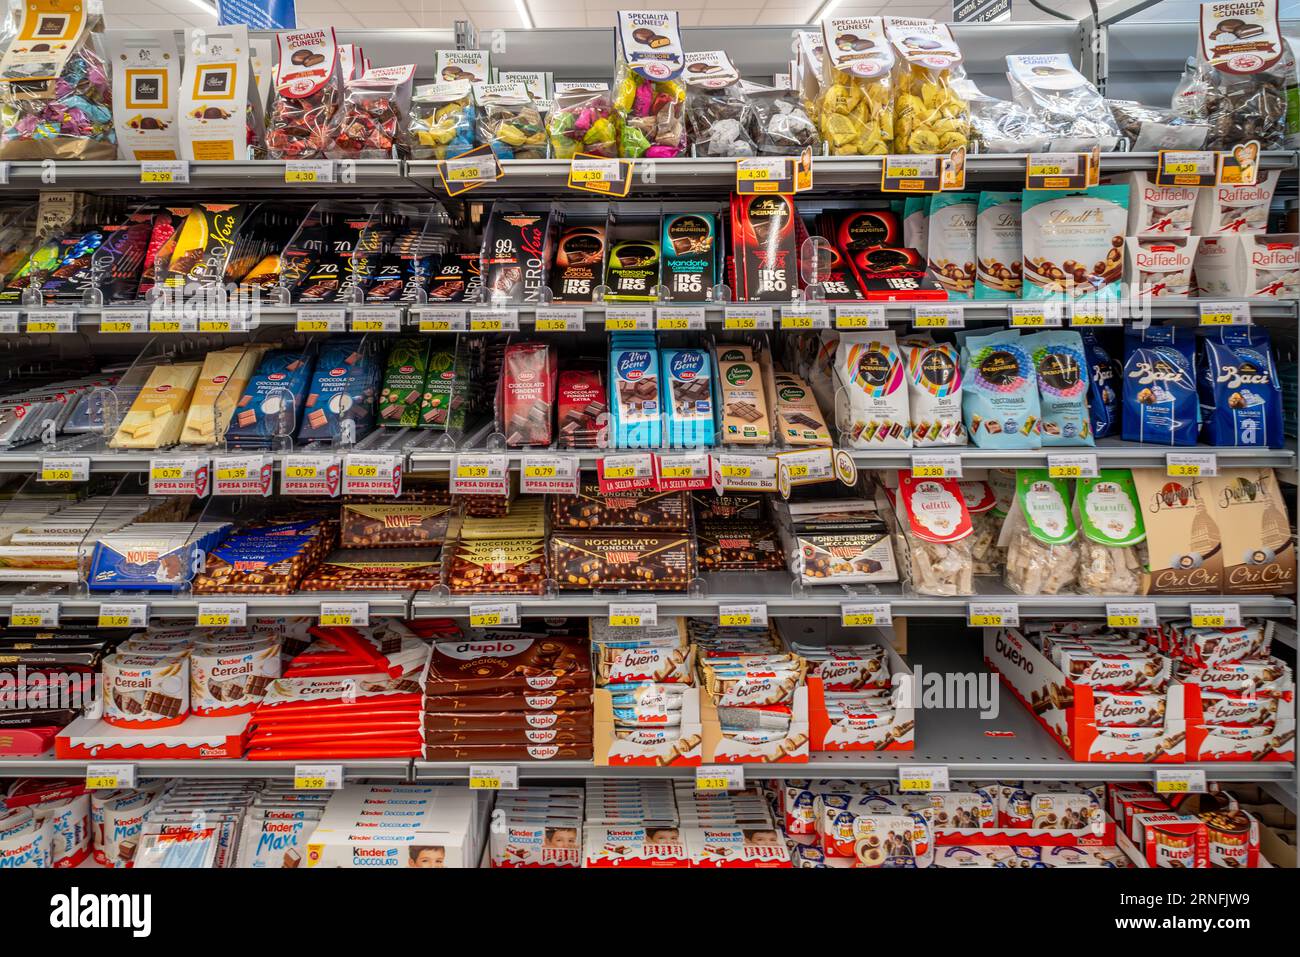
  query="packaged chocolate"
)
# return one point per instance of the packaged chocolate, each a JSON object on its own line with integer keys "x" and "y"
{"x": 443, "y": 120}
{"x": 509, "y": 121}
{"x": 688, "y": 399}
{"x": 870, "y": 369}
{"x": 951, "y": 253}
{"x": 638, "y": 509}
{"x": 1073, "y": 242}
{"x": 987, "y": 515}
{"x": 157, "y": 415}
{"x": 365, "y": 569}
{"x": 763, "y": 245}
{"x": 343, "y": 390}
{"x": 632, "y": 270}
{"x": 649, "y": 96}
{"x": 264, "y": 559}
{"x": 526, "y": 398}
{"x": 916, "y": 223}
{"x": 110, "y": 269}
{"x": 393, "y": 524}
{"x": 1062, "y": 101}
{"x": 1272, "y": 265}
{"x": 404, "y": 378}
{"x": 894, "y": 273}
{"x": 781, "y": 121}
{"x": 519, "y": 661}
{"x": 202, "y": 246}
{"x": 1183, "y": 539}
{"x": 738, "y": 546}
{"x": 709, "y": 507}
{"x": 1258, "y": 550}
{"x": 582, "y": 409}
{"x": 934, "y": 383}
{"x": 1160, "y": 400}
{"x": 998, "y": 248}
{"x": 468, "y": 66}
{"x": 458, "y": 278}
{"x": 634, "y": 561}
{"x": 930, "y": 116}
{"x": 146, "y": 79}
{"x": 1060, "y": 367}
{"x": 271, "y": 404}
{"x": 1240, "y": 78}
{"x": 689, "y": 256}
{"x": 1235, "y": 209}
{"x": 745, "y": 418}
{"x": 303, "y": 120}
{"x": 1219, "y": 266}
{"x": 720, "y": 117}
{"x": 1159, "y": 210}
{"x": 933, "y": 529}
{"x": 855, "y": 110}
{"x": 842, "y": 541}
{"x": 1000, "y": 391}
{"x": 1110, "y": 520}
{"x": 230, "y": 676}
{"x": 146, "y": 691}
{"x": 636, "y": 409}
{"x": 799, "y": 421}
{"x": 1159, "y": 266}
{"x": 513, "y": 566}
{"x": 579, "y": 263}
{"x": 518, "y": 247}
{"x": 582, "y": 120}
{"x": 442, "y": 404}
{"x": 1237, "y": 382}
{"x": 1039, "y": 536}
{"x": 372, "y": 120}
{"x": 219, "y": 111}
{"x": 1103, "y": 385}
{"x": 220, "y": 385}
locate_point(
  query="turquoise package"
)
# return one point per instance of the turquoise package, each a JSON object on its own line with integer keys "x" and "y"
{"x": 1103, "y": 385}
{"x": 688, "y": 405}
{"x": 344, "y": 388}
{"x": 1060, "y": 366}
{"x": 636, "y": 412}
{"x": 272, "y": 400}
{"x": 689, "y": 256}
{"x": 1160, "y": 401}
{"x": 1073, "y": 243}
{"x": 1240, "y": 397}
{"x": 998, "y": 249}
{"x": 999, "y": 391}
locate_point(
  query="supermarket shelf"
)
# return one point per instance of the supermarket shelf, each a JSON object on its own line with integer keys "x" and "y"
{"x": 392, "y": 769}
{"x": 86, "y": 605}
{"x": 351, "y": 178}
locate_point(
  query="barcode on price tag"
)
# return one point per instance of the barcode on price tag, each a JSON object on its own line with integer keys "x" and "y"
{"x": 860, "y": 614}
{"x": 318, "y": 777}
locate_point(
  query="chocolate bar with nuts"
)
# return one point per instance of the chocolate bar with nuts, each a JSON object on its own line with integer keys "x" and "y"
{"x": 640, "y": 508}
{"x": 502, "y": 662}
{"x": 637, "y": 562}
{"x": 739, "y": 546}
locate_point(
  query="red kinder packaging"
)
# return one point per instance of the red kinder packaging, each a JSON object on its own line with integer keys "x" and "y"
{"x": 526, "y": 396}
{"x": 583, "y": 409}
{"x": 764, "y": 248}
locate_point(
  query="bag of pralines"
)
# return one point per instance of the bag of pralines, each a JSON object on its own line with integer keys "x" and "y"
{"x": 1109, "y": 516}
{"x": 933, "y": 529}
{"x": 1039, "y": 536}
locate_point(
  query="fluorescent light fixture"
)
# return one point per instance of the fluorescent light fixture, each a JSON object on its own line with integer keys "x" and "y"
{"x": 520, "y": 5}
{"x": 209, "y": 8}
{"x": 824, "y": 11}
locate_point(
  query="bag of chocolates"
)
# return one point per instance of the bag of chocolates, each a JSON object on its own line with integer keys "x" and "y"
{"x": 1000, "y": 391}
{"x": 1103, "y": 385}
{"x": 582, "y": 120}
{"x": 1109, "y": 516}
{"x": 1061, "y": 369}
{"x": 871, "y": 371}
{"x": 1240, "y": 396}
{"x": 509, "y": 121}
{"x": 782, "y": 125}
{"x": 934, "y": 536}
{"x": 1073, "y": 242}
{"x": 719, "y": 115}
{"x": 375, "y": 105}
{"x": 1239, "y": 85}
{"x": 854, "y": 111}
{"x": 146, "y": 76}
{"x": 998, "y": 249}
{"x": 1160, "y": 403}
{"x": 951, "y": 246}
{"x": 934, "y": 380}
{"x": 305, "y": 114}
{"x": 1039, "y": 535}
{"x": 1184, "y": 553}
{"x": 220, "y": 113}
{"x": 649, "y": 96}
{"x": 443, "y": 120}
{"x": 986, "y": 519}
{"x": 930, "y": 116}
{"x": 1062, "y": 99}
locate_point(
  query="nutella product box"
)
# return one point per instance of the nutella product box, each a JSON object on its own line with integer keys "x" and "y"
{"x": 470, "y": 65}
{"x": 764, "y": 248}
{"x": 579, "y": 258}
{"x": 518, "y": 247}
{"x": 1257, "y": 548}
{"x": 215, "y": 96}
{"x": 146, "y": 86}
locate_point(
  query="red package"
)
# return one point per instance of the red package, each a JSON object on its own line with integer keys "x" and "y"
{"x": 303, "y": 122}
{"x": 763, "y": 243}
{"x": 526, "y": 397}
{"x": 583, "y": 409}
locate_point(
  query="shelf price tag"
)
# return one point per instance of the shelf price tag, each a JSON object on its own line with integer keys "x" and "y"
{"x": 109, "y": 777}
{"x": 186, "y": 476}
{"x": 222, "y": 614}
{"x": 805, "y": 316}
{"x": 549, "y": 475}
{"x": 494, "y": 320}
{"x": 118, "y": 615}
{"x": 311, "y": 475}
{"x": 1057, "y": 170}
{"x": 1196, "y": 168}
{"x": 763, "y": 174}
{"x": 9, "y": 320}
{"x": 494, "y": 777}
{"x": 1216, "y": 615}
{"x": 499, "y": 615}
{"x": 222, "y": 319}
{"x": 479, "y": 474}
{"x": 938, "y": 317}
{"x": 720, "y": 777}
{"x": 441, "y": 319}
{"x": 1180, "y": 781}
{"x": 629, "y": 318}
{"x": 51, "y": 320}
{"x": 309, "y": 171}
{"x": 1035, "y": 314}
{"x": 923, "y": 777}
{"x": 753, "y": 615}
{"x": 1082, "y": 465}
{"x": 124, "y": 320}
{"x": 1191, "y": 464}
{"x": 633, "y": 614}
{"x": 1224, "y": 313}
{"x": 744, "y": 473}
{"x": 805, "y": 467}
{"x": 243, "y": 475}
{"x": 373, "y": 473}
{"x": 865, "y": 614}
{"x": 344, "y": 613}
{"x": 746, "y": 318}
{"x": 988, "y": 614}
{"x": 66, "y": 468}
{"x": 947, "y": 465}
{"x": 673, "y": 318}
{"x": 321, "y": 320}
{"x": 318, "y": 777}
{"x": 911, "y": 174}
{"x": 680, "y": 471}
{"x": 165, "y": 171}
{"x": 598, "y": 174}
{"x": 860, "y": 316}
{"x": 557, "y": 319}
{"x": 34, "y": 614}
{"x": 1140, "y": 614}
{"x": 1095, "y": 313}
{"x": 626, "y": 472}
{"x": 376, "y": 320}
{"x": 165, "y": 319}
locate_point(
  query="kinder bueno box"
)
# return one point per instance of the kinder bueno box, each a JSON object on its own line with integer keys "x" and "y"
{"x": 676, "y": 745}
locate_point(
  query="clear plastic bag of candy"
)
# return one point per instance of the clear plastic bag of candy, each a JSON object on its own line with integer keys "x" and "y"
{"x": 649, "y": 96}
{"x": 55, "y": 89}
{"x": 582, "y": 121}
{"x": 1061, "y": 98}
{"x": 855, "y": 110}
{"x": 719, "y": 115}
{"x": 374, "y": 111}
{"x": 443, "y": 120}
{"x": 783, "y": 125}
{"x": 1151, "y": 128}
{"x": 510, "y": 121}
{"x": 303, "y": 122}
{"x": 930, "y": 115}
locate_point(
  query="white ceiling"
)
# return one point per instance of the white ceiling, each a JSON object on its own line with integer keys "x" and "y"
{"x": 495, "y": 14}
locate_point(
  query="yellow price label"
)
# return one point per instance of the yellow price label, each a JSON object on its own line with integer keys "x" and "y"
{"x": 485, "y": 784}
{"x": 620, "y": 471}
{"x": 315, "y": 783}
{"x": 860, "y": 619}
{"x": 739, "y": 620}
{"x": 490, "y": 620}
{"x": 367, "y": 325}
{"x": 1123, "y": 621}
{"x": 1088, "y": 319}
{"x": 587, "y": 175}
{"x": 214, "y": 621}
{"x": 620, "y": 323}
{"x": 928, "y": 471}
{"x": 902, "y": 172}
{"x": 167, "y": 472}
{"x": 551, "y": 325}
{"x": 1172, "y": 787}
{"x": 485, "y": 325}
{"x": 915, "y": 784}
{"x": 214, "y": 325}
{"x": 932, "y": 322}
{"x": 673, "y": 322}
{"x": 1216, "y": 318}
{"x": 232, "y": 474}
{"x": 463, "y": 174}
{"x": 539, "y": 471}
{"x": 711, "y": 784}
{"x": 25, "y": 621}
{"x": 363, "y": 471}
{"x": 737, "y": 471}
{"x": 42, "y": 325}
{"x": 164, "y": 325}
{"x": 986, "y": 621}
{"x": 156, "y": 176}
{"x": 471, "y": 471}
{"x": 1187, "y": 470}
{"x": 751, "y": 174}
{"x": 1045, "y": 169}
{"x": 676, "y": 471}
{"x": 796, "y": 322}
{"x": 56, "y": 475}
{"x": 301, "y": 471}
{"x": 797, "y": 471}
{"x": 1026, "y": 319}
{"x": 739, "y": 322}
{"x": 625, "y": 621}
{"x": 114, "y": 621}
{"x": 115, "y": 325}
{"x": 300, "y": 176}
{"x": 312, "y": 325}
{"x": 1181, "y": 169}
{"x": 101, "y": 782}
{"x": 1065, "y": 471}
{"x": 336, "y": 618}
{"x": 1209, "y": 621}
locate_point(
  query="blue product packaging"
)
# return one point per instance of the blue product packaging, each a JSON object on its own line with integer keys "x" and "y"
{"x": 1160, "y": 402}
{"x": 689, "y": 256}
{"x": 635, "y": 395}
{"x": 261, "y": 414}
{"x": 1060, "y": 366}
{"x": 138, "y": 558}
{"x": 688, "y": 398}
{"x": 343, "y": 390}
{"x": 1241, "y": 399}
{"x": 999, "y": 391}
{"x": 1103, "y": 385}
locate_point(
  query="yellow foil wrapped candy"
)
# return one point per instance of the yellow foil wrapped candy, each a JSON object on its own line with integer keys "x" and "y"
{"x": 855, "y": 114}
{"x": 929, "y": 116}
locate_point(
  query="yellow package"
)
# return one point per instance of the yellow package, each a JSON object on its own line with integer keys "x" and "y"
{"x": 855, "y": 113}
{"x": 158, "y": 411}
{"x": 220, "y": 385}
{"x": 929, "y": 116}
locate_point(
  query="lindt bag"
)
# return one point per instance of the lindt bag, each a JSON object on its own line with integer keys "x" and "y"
{"x": 55, "y": 96}
{"x": 998, "y": 246}
{"x": 1061, "y": 369}
{"x": 934, "y": 535}
{"x": 1160, "y": 405}
{"x": 1237, "y": 381}
{"x": 1000, "y": 391}
{"x": 1039, "y": 535}
{"x": 217, "y": 88}
{"x": 1109, "y": 516}
{"x": 870, "y": 369}
{"x": 1184, "y": 555}
{"x": 304, "y": 118}
{"x": 934, "y": 378}
{"x": 951, "y": 243}
{"x": 1074, "y": 242}
{"x": 147, "y": 79}
{"x": 1251, "y": 513}
{"x": 649, "y": 97}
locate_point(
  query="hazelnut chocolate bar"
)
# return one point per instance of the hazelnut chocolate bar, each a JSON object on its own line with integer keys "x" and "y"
{"x": 641, "y": 508}
{"x": 266, "y": 559}
{"x": 501, "y": 566}
{"x": 736, "y": 505}
{"x": 542, "y": 702}
{"x": 739, "y": 546}
{"x": 508, "y": 752}
{"x": 517, "y": 736}
{"x": 648, "y": 562}
{"x": 396, "y": 525}
{"x": 504, "y": 662}
{"x": 376, "y": 570}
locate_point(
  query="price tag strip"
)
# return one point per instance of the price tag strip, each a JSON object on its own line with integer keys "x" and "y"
{"x": 165, "y": 171}
{"x": 1180, "y": 781}
{"x": 243, "y": 475}
{"x": 378, "y": 473}
{"x": 559, "y": 319}
{"x": 1035, "y": 314}
{"x": 598, "y": 174}
{"x": 344, "y": 613}
{"x": 752, "y": 615}
{"x": 720, "y": 777}
{"x": 1081, "y": 465}
{"x": 805, "y": 467}
{"x": 747, "y": 318}
{"x": 911, "y": 174}
{"x": 318, "y": 777}
{"x": 494, "y": 777}
{"x": 469, "y": 170}
{"x": 757, "y": 175}
{"x": 1058, "y": 170}
{"x": 1138, "y": 614}
{"x": 549, "y": 475}
{"x": 633, "y": 614}
{"x": 43, "y": 321}
{"x": 9, "y": 320}
{"x": 676, "y": 318}
{"x": 498, "y": 615}
{"x": 986, "y": 614}
{"x": 65, "y": 469}
{"x": 441, "y": 319}
{"x": 184, "y": 476}
{"x": 308, "y": 171}
{"x": 117, "y": 615}
{"x": 865, "y": 614}
{"x": 311, "y": 475}
{"x": 109, "y": 777}
{"x": 222, "y": 614}
{"x": 480, "y": 474}
{"x": 1095, "y": 313}
{"x": 860, "y": 317}
{"x": 1191, "y": 464}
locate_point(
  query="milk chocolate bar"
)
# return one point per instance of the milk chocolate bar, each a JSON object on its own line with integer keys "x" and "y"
{"x": 647, "y": 562}
{"x": 508, "y": 752}
{"x": 640, "y": 508}
{"x": 518, "y": 736}
{"x": 504, "y": 662}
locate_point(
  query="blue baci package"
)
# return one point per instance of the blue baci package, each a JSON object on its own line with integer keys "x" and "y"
{"x": 1241, "y": 400}
{"x": 264, "y": 410}
{"x": 1060, "y": 367}
{"x": 688, "y": 398}
{"x": 999, "y": 391}
{"x": 1160, "y": 405}
{"x": 636, "y": 404}
{"x": 343, "y": 390}
{"x": 1103, "y": 385}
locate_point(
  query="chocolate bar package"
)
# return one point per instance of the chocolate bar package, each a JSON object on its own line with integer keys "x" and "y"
{"x": 393, "y": 523}
{"x": 267, "y": 559}
{"x": 709, "y": 506}
{"x": 639, "y": 508}
{"x": 739, "y": 546}
{"x": 690, "y": 256}
{"x": 688, "y": 400}
{"x": 509, "y": 566}
{"x": 442, "y": 405}
{"x": 458, "y": 278}
{"x": 636, "y": 410}
{"x": 764, "y": 248}
{"x": 582, "y": 409}
{"x": 629, "y": 560}
{"x": 343, "y": 390}
{"x": 404, "y": 378}
{"x": 515, "y": 661}
{"x": 203, "y": 245}
{"x": 331, "y": 277}
{"x": 518, "y": 248}
{"x": 272, "y": 401}
{"x": 887, "y": 273}
{"x": 526, "y": 399}
{"x": 367, "y": 569}
{"x": 579, "y": 261}
{"x": 576, "y": 721}
{"x": 632, "y": 271}
{"x": 75, "y": 255}
{"x": 852, "y": 230}
{"x": 836, "y": 276}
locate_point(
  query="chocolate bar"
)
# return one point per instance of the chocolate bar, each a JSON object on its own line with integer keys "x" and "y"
{"x": 583, "y": 409}
{"x": 508, "y": 752}
{"x": 527, "y": 394}
{"x": 641, "y": 508}
{"x": 376, "y": 570}
{"x": 508, "y": 721}
{"x": 739, "y": 546}
{"x": 514, "y": 702}
{"x": 579, "y": 257}
{"x": 502, "y": 662}
{"x": 517, "y": 250}
{"x": 392, "y": 524}
{"x": 647, "y": 562}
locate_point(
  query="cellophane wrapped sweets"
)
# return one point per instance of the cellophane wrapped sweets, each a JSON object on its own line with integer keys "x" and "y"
{"x": 373, "y": 121}
{"x": 582, "y": 121}
{"x": 304, "y": 119}
{"x": 934, "y": 536}
{"x": 855, "y": 112}
{"x": 719, "y": 114}
{"x": 649, "y": 96}
{"x": 55, "y": 91}
{"x": 1111, "y": 549}
{"x": 443, "y": 120}
{"x": 510, "y": 121}
{"x": 930, "y": 116}
{"x": 1039, "y": 536}
{"x": 986, "y": 520}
